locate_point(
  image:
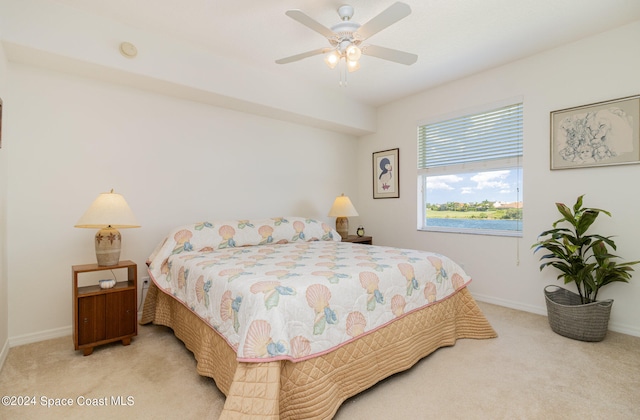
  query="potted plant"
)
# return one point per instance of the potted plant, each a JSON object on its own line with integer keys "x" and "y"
{"x": 585, "y": 260}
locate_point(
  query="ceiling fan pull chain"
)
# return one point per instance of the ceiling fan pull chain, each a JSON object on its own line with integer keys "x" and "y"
{"x": 342, "y": 69}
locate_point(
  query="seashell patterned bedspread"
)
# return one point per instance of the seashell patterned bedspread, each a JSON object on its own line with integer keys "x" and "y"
{"x": 286, "y": 288}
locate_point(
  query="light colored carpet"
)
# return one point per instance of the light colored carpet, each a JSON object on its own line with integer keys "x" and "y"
{"x": 528, "y": 372}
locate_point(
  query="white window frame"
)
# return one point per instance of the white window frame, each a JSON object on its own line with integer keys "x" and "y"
{"x": 510, "y": 163}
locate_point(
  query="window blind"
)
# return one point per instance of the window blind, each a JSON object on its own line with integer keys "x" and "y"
{"x": 487, "y": 136}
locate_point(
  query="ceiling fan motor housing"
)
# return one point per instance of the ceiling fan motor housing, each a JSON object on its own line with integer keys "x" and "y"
{"x": 346, "y": 29}
{"x": 345, "y": 12}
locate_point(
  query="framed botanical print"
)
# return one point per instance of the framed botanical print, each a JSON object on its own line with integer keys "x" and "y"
{"x": 386, "y": 174}
{"x": 599, "y": 134}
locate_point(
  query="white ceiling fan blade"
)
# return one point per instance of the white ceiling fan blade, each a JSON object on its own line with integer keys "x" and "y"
{"x": 302, "y": 55}
{"x": 310, "y": 23}
{"x": 389, "y": 54}
{"x": 386, "y": 18}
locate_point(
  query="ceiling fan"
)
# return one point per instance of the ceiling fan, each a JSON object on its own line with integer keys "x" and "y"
{"x": 346, "y": 37}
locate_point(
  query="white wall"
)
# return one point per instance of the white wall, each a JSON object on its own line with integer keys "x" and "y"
{"x": 4, "y": 300}
{"x": 178, "y": 161}
{"x": 175, "y": 162}
{"x": 45, "y": 33}
{"x": 504, "y": 269}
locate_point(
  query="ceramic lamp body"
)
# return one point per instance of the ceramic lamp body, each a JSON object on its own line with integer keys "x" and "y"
{"x": 108, "y": 245}
{"x": 342, "y": 226}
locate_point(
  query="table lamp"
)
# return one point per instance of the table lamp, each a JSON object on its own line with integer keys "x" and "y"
{"x": 341, "y": 209}
{"x": 109, "y": 212}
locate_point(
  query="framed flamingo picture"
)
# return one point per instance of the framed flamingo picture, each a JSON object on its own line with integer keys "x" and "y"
{"x": 386, "y": 165}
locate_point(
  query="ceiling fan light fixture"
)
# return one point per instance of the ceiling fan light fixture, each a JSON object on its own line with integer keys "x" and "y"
{"x": 352, "y": 65}
{"x": 332, "y": 58}
{"x": 353, "y": 53}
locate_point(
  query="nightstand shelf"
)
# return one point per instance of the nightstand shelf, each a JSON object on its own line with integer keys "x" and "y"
{"x": 103, "y": 316}
{"x": 366, "y": 240}
{"x": 96, "y": 290}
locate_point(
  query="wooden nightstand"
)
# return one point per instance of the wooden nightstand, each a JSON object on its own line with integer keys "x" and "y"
{"x": 102, "y": 316}
{"x": 366, "y": 240}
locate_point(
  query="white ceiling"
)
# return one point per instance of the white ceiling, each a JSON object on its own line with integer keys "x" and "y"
{"x": 452, "y": 38}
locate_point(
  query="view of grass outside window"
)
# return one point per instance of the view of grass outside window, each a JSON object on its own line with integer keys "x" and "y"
{"x": 470, "y": 173}
{"x": 476, "y": 200}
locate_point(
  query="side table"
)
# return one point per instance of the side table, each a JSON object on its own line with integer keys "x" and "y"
{"x": 102, "y": 316}
{"x": 366, "y": 240}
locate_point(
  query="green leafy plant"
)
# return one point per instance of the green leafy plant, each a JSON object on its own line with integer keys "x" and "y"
{"x": 582, "y": 258}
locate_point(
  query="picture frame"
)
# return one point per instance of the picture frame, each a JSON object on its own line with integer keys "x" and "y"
{"x": 599, "y": 134}
{"x": 386, "y": 170}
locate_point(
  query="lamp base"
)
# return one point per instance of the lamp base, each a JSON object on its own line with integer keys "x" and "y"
{"x": 108, "y": 245}
{"x": 342, "y": 226}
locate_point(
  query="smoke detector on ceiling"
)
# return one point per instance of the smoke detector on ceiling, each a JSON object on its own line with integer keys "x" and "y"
{"x": 128, "y": 50}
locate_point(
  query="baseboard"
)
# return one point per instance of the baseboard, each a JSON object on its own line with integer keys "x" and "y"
{"x": 48, "y": 334}
{"x": 39, "y": 336}
{"x": 542, "y": 310}
{"x": 4, "y": 353}
{"x": 624, "y": 329}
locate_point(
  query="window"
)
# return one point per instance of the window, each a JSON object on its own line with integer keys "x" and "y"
{"x": 470, "y": 173}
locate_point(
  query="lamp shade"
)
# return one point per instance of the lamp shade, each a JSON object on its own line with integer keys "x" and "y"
{"x": 342, "y": 207}
{"x": 109, "y": 209}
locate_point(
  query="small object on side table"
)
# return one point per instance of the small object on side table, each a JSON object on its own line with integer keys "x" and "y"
{"x": 365, "y": 240}
{"x": 360, "y": 231}
{"x": 107, "y": 284}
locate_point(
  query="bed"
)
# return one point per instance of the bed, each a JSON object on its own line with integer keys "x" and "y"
{"x": 290, "y": 321}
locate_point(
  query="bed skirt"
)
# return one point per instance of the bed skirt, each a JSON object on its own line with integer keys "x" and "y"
{"x": 316, "y": 388}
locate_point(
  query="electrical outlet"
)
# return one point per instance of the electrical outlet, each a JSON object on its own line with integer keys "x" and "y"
{"x": 145, "y": 281}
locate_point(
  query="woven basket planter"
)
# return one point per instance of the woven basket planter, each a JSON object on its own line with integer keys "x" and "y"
{"x": 572, "y": 319}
